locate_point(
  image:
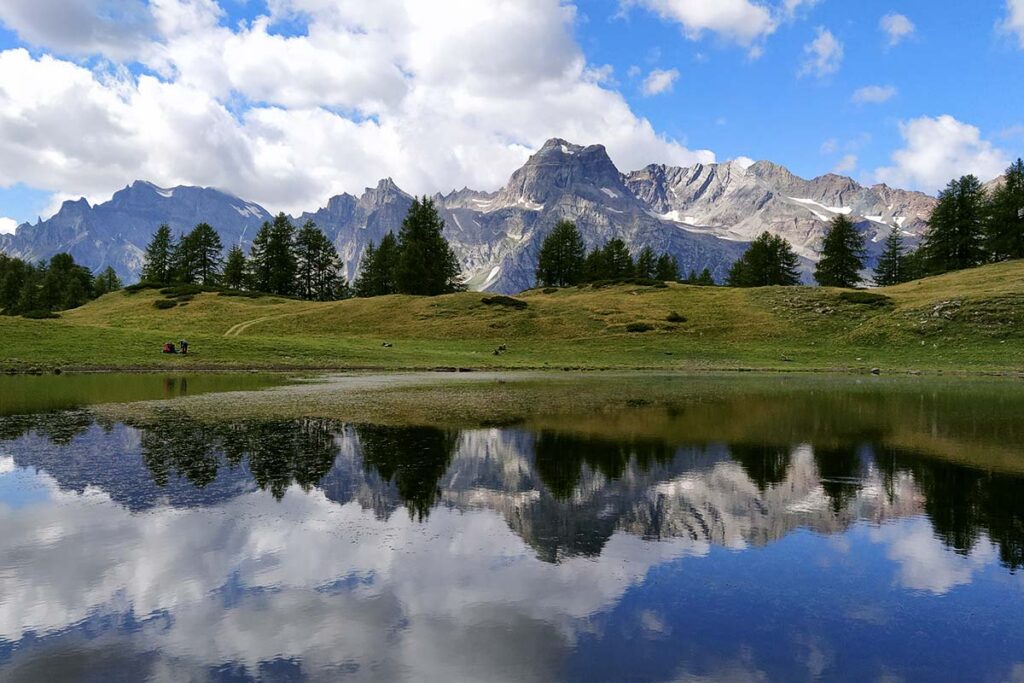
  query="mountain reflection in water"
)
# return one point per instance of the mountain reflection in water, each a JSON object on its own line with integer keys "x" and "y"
{"x": 835, "y": 546}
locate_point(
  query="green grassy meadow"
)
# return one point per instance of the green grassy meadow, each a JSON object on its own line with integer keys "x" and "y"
{"x": 970, "y": 321}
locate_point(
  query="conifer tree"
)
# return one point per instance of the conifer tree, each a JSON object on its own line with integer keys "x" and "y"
{"x": 207, "y": 252}
{"x": 234, "y": 268}
{"x": 617, "y": 261}
{"x": 157, "y": 265}
{"x": 106, "y": 282}
{"x": 184, "y": 261}
{"x": 646, "y": 264}
{"x": 594, "y": 266}
{"x": 272, "y": 264}
{"x": 259, "y": 264}
{"x": 426, "y": 263}
{"x": 377, "y": 270}
{"x": 316, "y": 264}
{"x": 705, "y": 279}
{"x": 562, "y": 255}
{"x": 956, "y": 230}
{"x": 892, "y": 264}
{"x": 842, "y": 255}
{"x": 666, "y": 268}
{"x": 1004, "y": 230}
{"x": 770, "y": 260}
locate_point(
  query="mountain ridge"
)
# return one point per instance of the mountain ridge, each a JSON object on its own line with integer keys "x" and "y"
{"x": 702, "y": 214}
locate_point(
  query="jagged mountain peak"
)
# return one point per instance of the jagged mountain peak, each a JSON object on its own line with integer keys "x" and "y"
{"x": 561, "y": 167}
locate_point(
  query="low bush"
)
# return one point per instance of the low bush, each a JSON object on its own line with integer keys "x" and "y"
{"x": 639, "y": 327}
{"x": 42, "y": 314}
{"x": 164, "y": 304}
{"x": 549, "y": 290}
{"x": 141, "y": 286}
{"x": 674, "y": 317}
{"x": 501, "y": 300}
{"x": 863, "y": 298}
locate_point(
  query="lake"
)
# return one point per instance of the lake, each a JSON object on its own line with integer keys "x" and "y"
{"x": 846, "y": 530}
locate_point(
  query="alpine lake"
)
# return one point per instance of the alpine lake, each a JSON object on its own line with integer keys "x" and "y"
{"x": 442, "y": 527}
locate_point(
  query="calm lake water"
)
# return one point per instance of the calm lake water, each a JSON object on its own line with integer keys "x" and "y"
{"x": 867, "y": 532}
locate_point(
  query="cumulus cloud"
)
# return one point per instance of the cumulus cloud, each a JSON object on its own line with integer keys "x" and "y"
{"x": 7, "y": 227}
{"x": 80, "y": 27}
{"x": 938, "y": 149}
{"x": 925, "y": 564}
{"x": 740, "y": 21}
{"x": 660, "y": 81}
{"x": 874, "y": 94}
{"x": 437, "y": 96}
{"x": 822, "y": 56}
{"x": 897, "y": 28}
{"x": 1014, "y": 22}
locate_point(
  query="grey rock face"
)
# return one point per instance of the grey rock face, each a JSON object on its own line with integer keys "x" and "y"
{"x": 704, "y": 215}
{"x": 116, "y": 233}
{"x": 733, "y": 202}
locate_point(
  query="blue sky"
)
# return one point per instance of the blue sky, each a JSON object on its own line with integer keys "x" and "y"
{"x": 291, "y": 102}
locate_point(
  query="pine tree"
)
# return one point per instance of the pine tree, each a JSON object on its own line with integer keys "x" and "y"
{"x": 955, "y": 232}
{"x": 157, "y": 265}
{"x": 646, "y": 264}
{"x": 617, "y": 261}
{"x": 259, "y": 262}
{"x": 691, "y": 279}
{"x": 705, "y": 279}
{"x": 377, "y": 270}
{"x": 770, "y": 260}
{"x": 280, "y": 256}
{"x": 234, "y": 268}
{"x": 316, "y": 264}
{"x": 426, "y": 263}
{"x": 106, "y": 282}
{"x": 1004, "y": 230}
{"x": 666, "y": 268}
{"x": 562, "y": 255}
{"x": 842, "y": 255}
{"x": 184, "y": 261}
{"x": 595, "y": 266}
{"x": 207, "y": 253}
{"x": 892, "y": 264}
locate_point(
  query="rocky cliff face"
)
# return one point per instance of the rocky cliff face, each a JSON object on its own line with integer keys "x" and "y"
{"x": 704, "y": 215}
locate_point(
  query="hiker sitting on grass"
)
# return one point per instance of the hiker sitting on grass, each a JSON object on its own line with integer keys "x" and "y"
{"x": 169, "y": 348}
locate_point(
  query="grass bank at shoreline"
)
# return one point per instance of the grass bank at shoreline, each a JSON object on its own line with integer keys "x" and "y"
{"x": 971, "y": 322}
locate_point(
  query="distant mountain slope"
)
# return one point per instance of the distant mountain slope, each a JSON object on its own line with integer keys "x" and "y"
{"x": 704, "y": 215}
{"x": 115, "y": 233}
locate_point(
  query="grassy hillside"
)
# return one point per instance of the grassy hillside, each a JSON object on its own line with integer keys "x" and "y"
{"x": 967, "y": 321}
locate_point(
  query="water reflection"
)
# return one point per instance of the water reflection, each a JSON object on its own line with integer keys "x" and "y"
{"x": 180, "y": 548}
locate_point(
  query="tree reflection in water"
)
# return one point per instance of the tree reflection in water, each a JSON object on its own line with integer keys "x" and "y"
{"x": 583, "y": 487}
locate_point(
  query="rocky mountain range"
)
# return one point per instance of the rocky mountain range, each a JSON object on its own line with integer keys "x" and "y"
{"x": 704, "y": 215}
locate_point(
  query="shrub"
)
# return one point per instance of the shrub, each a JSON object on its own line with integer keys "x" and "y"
{"x": 674, "y": 317}
{"x": 164, "y": 304}
{"x": 140, "y": 286}
{"x": 639, "y": 327}
{"x": 549, "y": 290}
{"x": 39, "y": 314}
{"x": 501, "y": 300}
{"x": 863, "y": 298}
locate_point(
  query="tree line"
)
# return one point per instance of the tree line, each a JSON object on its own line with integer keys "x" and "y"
{"x": 304, "y": 263}
{"x": 37, "y": 290}
{"x": 969, "y": 227}
{"x": 563, "y": 261}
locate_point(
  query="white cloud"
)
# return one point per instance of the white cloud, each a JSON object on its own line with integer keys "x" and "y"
{"x": 741, "y": 21}
{"x": 1014, "y": 22}
{"x": 660, "y": 81}
{"x": 436, "y": 95}
{"x": 874, "y": 94}
{"x": 824, "y": 55}
{"x": 830, "y": 146}
{"x": 897, "y": 28}
{"x": 8, "y": 226}
{"x": 744, "y": 162}
{"x": 939, "y": 149}
{"x": 791, "y": 7}
{"x": 113, "y": 27}
{"x": 925, "y": 563}
{"x": 846, "y": 165}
